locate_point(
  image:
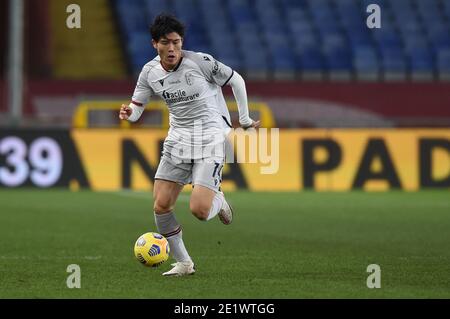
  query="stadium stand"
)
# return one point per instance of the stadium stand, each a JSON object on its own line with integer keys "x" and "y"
{"x": 303, "y": 39}
{"x": 93, "y": 50}
{"x": 3, "y": 36}
{"x": 343, "y": 73}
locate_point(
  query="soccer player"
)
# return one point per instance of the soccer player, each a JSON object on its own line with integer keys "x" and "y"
{"x": 191, "y": 85}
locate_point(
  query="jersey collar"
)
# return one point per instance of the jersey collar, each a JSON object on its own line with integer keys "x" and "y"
{"x": 175, "y": 68}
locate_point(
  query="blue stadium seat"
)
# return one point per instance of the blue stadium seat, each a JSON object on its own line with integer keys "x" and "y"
{"x": 359, "y": 37}
{"x": 155, "y": 7}
{"x": 312, "y": 60}
{"x": 393, "y": 61}
{"x": 306, "y": 43}
{"x": 140, "y": 50}
{"x": 421, "y": 60}
{"x": 300, "y": 29}
{"x": 408, "y": 27}
{"x": 307, "y": 35}
{"x": 387, "y": 38}
{"x": 297, "y": 15}
{"x": 285, "y": 61}
{"x": 428, "y": 9}
{"x": 365, "y": 61}
{"x": 256, "y": 61}
{"x": 398, "y": 5}
{"x": 439, "y": 36}
{"x": 414, "y": 40}
{"x": 287, "y": 4}
{"x": 131, "y": 18}
{"x": 443, "y": 61}
{"x": 339, "y": 60}
{"x": 446, "y": 8}
{"x": 332, "y": 40}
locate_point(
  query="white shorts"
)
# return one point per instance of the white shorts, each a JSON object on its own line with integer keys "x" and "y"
{"x": 207, "y": 173}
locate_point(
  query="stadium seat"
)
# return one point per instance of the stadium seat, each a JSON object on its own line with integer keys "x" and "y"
{"x": 312, "y": 64}
{"x": 443, "y": 63}
{"x": 393, "y": 64}
{"x": 359, "y": 38}
{"x": 446, "y": 8}
{"x": 366, "y": 63}
{"x": 154, "y": 7}
{"x": 322, "y": 37}
{"x": 139, "y": 49}
{"x": 422, "y": 63}
{"x": 439, "y": 36}
{"x": 131, "y": 18}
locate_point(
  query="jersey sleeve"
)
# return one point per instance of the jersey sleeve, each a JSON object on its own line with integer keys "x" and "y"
{"x": 143, "y": 91}
{"x": 215, "y": 71}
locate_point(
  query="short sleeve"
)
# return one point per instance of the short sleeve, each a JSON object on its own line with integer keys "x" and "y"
{"x": 215, "y": 71}
{"x": 143, "y": 91}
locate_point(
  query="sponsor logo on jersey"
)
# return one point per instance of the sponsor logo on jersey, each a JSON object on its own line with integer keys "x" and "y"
{"x": 168, "y": 95}
{"x": 175, "y": 82}
{"x": 178, "y": 96}
{"x": 206, "y": 58}
{"x": 161, "y": 82}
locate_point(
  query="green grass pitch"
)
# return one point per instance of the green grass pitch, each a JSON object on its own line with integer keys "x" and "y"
{"x": 280, "y": 245}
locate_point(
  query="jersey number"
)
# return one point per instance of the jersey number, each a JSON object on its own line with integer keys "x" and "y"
{"x": 217, "y": 169}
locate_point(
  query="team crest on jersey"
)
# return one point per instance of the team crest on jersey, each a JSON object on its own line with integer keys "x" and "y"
{"x": 215, "y": 68}
{"x": 189, "y": 78}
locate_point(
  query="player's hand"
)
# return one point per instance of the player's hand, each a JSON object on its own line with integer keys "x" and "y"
{"x": 125, "y": 112}
{"x": 255, "y": 124}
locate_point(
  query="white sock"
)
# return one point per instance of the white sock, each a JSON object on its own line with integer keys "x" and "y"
{"x": 168, "y": 227}
{"x": 216, "y": 205}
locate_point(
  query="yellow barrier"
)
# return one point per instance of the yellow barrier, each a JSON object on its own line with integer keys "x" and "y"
{"x": 81, "y": 115}
{"x": 321, "y": 160}
{"x": 80, "y": 118}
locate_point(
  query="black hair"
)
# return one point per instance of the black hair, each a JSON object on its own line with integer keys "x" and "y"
{"x": 165, "y": 24}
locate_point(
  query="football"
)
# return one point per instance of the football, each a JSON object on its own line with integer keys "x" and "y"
{"x": 151, "y": 249}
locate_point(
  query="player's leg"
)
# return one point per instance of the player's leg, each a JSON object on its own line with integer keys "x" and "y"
{"x": 207, "y": 200}
{"x": 169, "y": 181}
{"x": 201, "y": 202}
{"x": 165, "y": 194}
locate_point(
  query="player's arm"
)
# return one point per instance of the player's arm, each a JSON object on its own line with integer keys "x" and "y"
{"x": 142, "y": 93}
{"x": 222, "y": 75}
{"x": 237, "y": 84}
{"x": 131, "y": 112}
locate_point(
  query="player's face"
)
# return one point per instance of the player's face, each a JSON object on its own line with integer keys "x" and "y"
{"x": 169, "y": 49}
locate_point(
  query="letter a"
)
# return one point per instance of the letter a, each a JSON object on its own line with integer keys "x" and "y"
{"x": 74, "y": 19}
{"x": 74, "y": 280}
{"x": 374, "y": 279}
{"x": 374, "y": 20}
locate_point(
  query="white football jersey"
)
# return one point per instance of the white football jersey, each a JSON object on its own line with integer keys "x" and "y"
{"x": 193, "y": 94}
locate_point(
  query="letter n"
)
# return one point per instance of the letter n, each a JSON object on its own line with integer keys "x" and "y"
{"x": 131, "y": 153}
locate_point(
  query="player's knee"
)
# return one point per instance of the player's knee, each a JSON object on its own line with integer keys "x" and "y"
{"x": 199, "y": 210}
{"x": 162, "y": 205}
